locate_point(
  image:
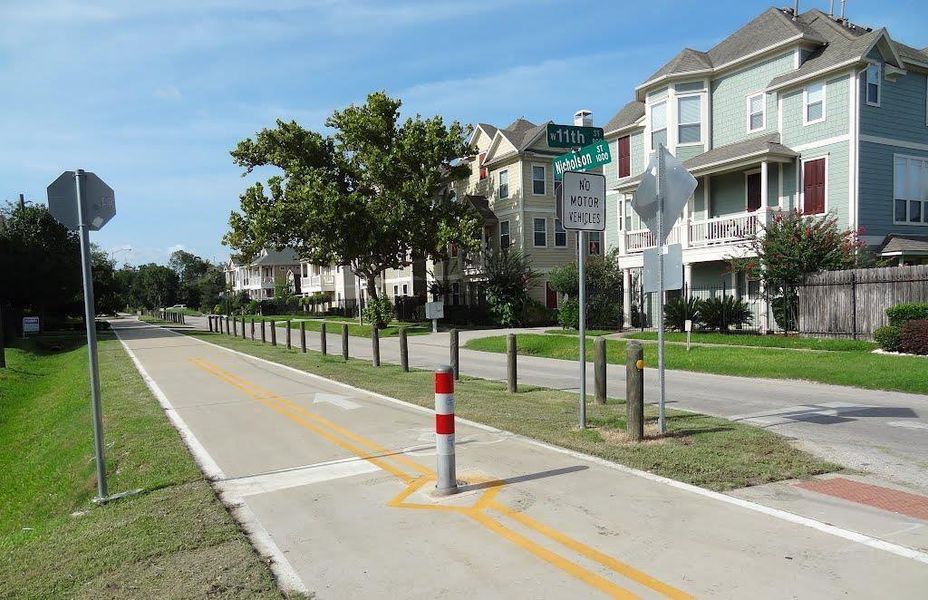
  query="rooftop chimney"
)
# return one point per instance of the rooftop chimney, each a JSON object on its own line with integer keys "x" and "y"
{"x": 583, "y": 118}
{"x": 795, "y": 9}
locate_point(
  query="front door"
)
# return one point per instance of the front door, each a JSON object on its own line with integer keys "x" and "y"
{"x": 753, "y": 192}
{"x": 550, "y": 296}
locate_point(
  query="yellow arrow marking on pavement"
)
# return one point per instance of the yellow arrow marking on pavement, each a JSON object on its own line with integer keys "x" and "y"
{"x": 378, "y": 455}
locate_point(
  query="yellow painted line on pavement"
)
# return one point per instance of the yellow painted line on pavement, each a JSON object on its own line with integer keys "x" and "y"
{"x": 478, "y": 511}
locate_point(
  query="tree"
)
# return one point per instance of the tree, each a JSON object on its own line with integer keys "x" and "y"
{"x": 792, "y": 246}
{"x": 108, "y": 296}
{"x": 603, "y": 292}
{"x": 200, "y": 281}
{"x": 509, "y": 276}
{"x": 374, "y": 195}
{"x": 154, "y": 286}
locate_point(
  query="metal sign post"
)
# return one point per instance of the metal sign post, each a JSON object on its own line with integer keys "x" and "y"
{"x": 582, "y": 208}
{"x": 661, "y": 236}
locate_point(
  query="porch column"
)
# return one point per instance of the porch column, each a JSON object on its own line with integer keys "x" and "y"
{"x": 626, "y": 298}
{"x": 763, "y": 191}
{"x": 688, "y": 279}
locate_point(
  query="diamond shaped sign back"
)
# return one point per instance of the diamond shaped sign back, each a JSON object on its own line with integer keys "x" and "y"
{"x": 677, "y": 187}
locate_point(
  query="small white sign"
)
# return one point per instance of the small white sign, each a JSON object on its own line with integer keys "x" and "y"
{"x": 583, "y": 201}
{"x": 434, "y": 310}
{"x": 688, "y": 325}
{"x": 31, "y": 325}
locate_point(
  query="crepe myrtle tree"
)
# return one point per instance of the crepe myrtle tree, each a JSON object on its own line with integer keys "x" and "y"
{"x": 373, "y": 195}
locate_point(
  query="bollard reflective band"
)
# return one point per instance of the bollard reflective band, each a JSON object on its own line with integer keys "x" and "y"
{"x": 444, "y": 431}
{"x": 444, "y": 382}
{"x": 444, "y": 424}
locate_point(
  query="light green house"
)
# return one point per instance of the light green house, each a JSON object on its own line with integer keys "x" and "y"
{"x": 792, "y": 111}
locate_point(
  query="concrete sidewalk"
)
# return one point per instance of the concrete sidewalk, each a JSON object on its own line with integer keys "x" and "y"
{"x": 334, "y": 483}
{"x": 879, "y": 432}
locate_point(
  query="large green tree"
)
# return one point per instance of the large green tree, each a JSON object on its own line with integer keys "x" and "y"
{"x": 373, "y": 195}
{"x": 154, "y": 286}
{"x": 200, "y": 281}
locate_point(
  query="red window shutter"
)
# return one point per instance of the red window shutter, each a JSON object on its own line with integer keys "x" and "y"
{"x": 483, "y": 169}
{"x": 625, "y": 157}
{"x": 813, "y": 187}
{"x": 754, "y": 194}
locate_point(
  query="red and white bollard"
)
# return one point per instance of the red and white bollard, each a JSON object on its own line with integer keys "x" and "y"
{"x": 444, "y": 431}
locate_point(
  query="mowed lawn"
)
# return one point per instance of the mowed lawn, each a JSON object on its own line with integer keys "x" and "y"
{"x": 334, "y": 325}
{"x": 175, "y": 540}
{"x": 702, "y": 450}
{"x": 858, "y": 368}
{"x": 764, "y": 341}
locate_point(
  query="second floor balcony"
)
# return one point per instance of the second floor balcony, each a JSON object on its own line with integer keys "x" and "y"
{"x": 323, "y": 282}
{"x": 690, "y": 233}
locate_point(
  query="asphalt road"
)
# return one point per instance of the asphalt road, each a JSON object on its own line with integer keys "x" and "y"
{"x": 884, "y": 433}
{"x": 335, "y": 483}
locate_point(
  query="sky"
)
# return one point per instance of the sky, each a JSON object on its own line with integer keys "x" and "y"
{"x": 152, "y": 96}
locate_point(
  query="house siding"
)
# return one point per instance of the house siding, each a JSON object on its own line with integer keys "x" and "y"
{"x": 729, "y": 99}
{"x": 836, "y": 178}
{"x": 836, "y": 123}
{"x": 902, "y": 111}
{"x": 876, "y": 189}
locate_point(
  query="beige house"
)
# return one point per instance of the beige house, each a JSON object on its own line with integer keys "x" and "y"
{"x": 511, "y": 185}
{"x": 259, "y": 277}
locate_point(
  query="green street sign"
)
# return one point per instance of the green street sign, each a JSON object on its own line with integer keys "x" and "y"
{"x": 584, "y": 159}
{"x": 572, "y": 136}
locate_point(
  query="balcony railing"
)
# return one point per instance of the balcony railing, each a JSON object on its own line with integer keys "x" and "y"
{"x": 728, "y": 229}
{"x": 324, "y": 282}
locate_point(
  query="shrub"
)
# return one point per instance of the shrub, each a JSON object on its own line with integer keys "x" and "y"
{"x": 902, "y": 313}
{"x": 722, "y": 313}
{"x": 888, "y": 337}
{"x": 679, "y": 310}
{"x": 568, "y": 313}
{"x": 536, "y": 314}
{"x": 914, "y": 338}
{"x": 379, "y": 312}
{"x": 784, "y": 310}
{"x": 217, "y": 309}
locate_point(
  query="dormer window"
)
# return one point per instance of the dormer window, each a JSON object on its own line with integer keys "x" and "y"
{"x": 757, "y": 116}
{"x": 658, "y": 124}
{"x": 689, "y": 119}
{"x": 814, "y": 104}
{"x": 874, "y": 78}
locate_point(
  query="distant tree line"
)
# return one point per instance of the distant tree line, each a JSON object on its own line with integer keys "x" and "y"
{"x": 40, "y": 263}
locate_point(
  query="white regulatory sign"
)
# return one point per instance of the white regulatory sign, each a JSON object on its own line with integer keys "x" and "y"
{"x": 583, "y": 201}
{"x": 434, "y": 310}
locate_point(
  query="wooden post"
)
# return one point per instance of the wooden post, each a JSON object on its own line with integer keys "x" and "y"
{"x": 252, "y": 329}
{"x": 234, "y": 326}
{"x": 244, "y": 330}
{"x": 345, "y": 341}
{"x": 404, "y": 350}
{"x": 273, "y": 333}
{"x": 512, "y": 375}
{"x": 375, "y": 345}
{"x": 263, "y": 329}
{"x": 322, "y": 341}
{"x": 599, "y": 369}
{"x": 289, "y": 345}
{"x": 209, "y": 322}
{"x": 455, "y": 365}
{"x": 2, "y": 342}
{"x": 227, "y": 325}
{"x": 634, "y": 391}
{"x": 303, "y": 336}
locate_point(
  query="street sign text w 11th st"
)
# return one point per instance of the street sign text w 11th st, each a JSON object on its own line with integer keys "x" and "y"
{"x": 572, "y": 136}
{"x": 584, "y": 159}
{"x": 583, "y": 201}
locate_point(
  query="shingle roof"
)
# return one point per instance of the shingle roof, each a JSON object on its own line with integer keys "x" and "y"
{"x": 910, "y": 53}
{"x": 481, "y": 205}
{"x": 905, "y": 244}
{"x": 287, "y": 256}
{"x": 490, "y": 129}
{"x": 686, "y": 61}
{"x": 626, "y": 116}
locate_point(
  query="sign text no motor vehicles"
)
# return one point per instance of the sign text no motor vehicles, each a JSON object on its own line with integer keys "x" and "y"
{"x": 583, "y": 201}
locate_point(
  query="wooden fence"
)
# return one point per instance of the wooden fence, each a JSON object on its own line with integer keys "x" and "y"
{"x": 853, "y": 303}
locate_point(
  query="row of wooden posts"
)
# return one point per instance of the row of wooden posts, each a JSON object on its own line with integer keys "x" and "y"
{"x": 171, "y": 316}
{"x": 634, "y": 364}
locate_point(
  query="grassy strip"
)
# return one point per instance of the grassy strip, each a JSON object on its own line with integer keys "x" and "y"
{"x": 593, "y": 332}
{"x": 764, "y": 341}
{"x": 706, "y": 451}
{"x": 175, "y": 540}
{"x": 335, "y": 325}
{"x": 858, "y": 369}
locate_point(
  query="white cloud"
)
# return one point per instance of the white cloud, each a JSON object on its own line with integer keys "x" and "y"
{"x": 169, "y": 92}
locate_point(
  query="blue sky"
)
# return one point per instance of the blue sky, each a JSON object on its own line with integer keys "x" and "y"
{"x": 152, "y": 95}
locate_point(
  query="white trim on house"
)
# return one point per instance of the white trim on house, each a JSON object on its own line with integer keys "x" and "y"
{"x": 763, "y": 111}
{"x": 544, "y": 178}
{"x": 805, "y": 104}
{"x": 812, "y": 76}
{"x": 924, "y": 203}
{"x": 879, "y": 84}
{"x": 508, "y": 234}
{"x": 802, "y": 191}
{"x": 535, "y": 231}
{"x": 853, "y": 154}
{"x": 701, "y": 96}
{"x": 875, "y": 139}
{"x": 820, "y": 143}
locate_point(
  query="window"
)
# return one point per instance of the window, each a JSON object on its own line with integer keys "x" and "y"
{"x": 625, "y": 157}
{"x": 757, "y": 113}
{"x": 813, "y": 186}
{"x": 504, "y": 235}
{"x": 541, "y": 233}
{"x": 396, "y": 291}
{"x": 455, "y": 293}
{"x": 595, "y": 243}
{"x": 910, "y": 183}
{"x": 658, "y": 124}
{"x": 874, "y": 73}
{"x": 560, "y": 234}
{"x": 483, "y": 169}
{"x": 538, "y": 180}
{"x": 689, "y": 117}
{"x": 405, "y": 289}
{"x": 503, "y": 184}
{"x": 814, "y": 96}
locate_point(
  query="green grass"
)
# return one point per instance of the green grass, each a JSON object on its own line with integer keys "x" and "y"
{"x": 706, "y": 451}
{"x": 335, "y": 325}
{"x": 574, "y": 332}
{"x": 175, "y": 540}
{"x": 858, "y": 369}
{"x": 765, "y": 341}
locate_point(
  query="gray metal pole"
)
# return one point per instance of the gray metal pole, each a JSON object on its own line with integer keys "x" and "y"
{"x": 582, "y": 325}
{"x": 512, "y": 373}
{"x": 375, "y": 345}
{"x": 322, "y": 341}
{"x": 661, "y": 425}
{"x": 634, "y": 390}
{"x": 599, "y": 369}
{"x": 303, "y": 336}
{"x": 345, "y": 341}
{"x": 455, "y": 354}
{"x": 89, "y": 318}
{"x": 404, "y": 350}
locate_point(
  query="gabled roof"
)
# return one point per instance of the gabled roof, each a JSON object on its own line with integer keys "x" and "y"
{"x": 521, "y": 134}
{"x": 897, "y": 244}
{"x": 627, "y": 115}
{"x": 272, "y": 257}
{"x": 687, "y": 61}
